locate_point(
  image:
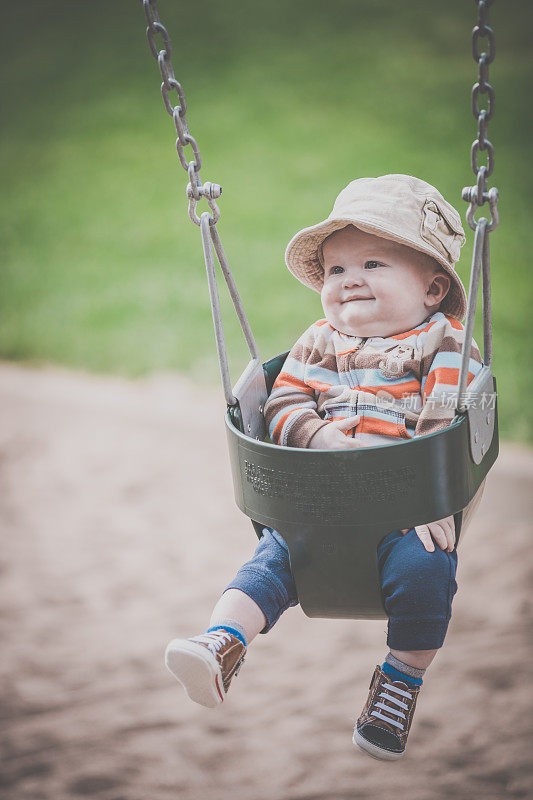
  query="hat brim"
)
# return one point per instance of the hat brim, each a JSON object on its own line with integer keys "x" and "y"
{"x": 301, "y": 257}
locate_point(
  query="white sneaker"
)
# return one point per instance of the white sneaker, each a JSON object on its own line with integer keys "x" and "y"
{"x": 205, "y": 664}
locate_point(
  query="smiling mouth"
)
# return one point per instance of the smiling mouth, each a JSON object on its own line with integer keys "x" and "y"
{"x": 353, "y": 299}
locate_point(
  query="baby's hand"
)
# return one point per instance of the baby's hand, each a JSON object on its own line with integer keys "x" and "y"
{"x": 442, "y": 531}
{"x": 333, "y": 437}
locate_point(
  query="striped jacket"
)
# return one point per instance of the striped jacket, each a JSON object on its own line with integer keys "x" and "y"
{"x": 401, "y": 386}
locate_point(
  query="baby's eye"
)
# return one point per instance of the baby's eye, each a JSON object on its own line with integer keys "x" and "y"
{"x": 372, "y": 264}
{"x": 337, "y": 270}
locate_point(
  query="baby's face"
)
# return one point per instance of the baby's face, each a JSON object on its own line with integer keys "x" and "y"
{"x": 376, "y": 287}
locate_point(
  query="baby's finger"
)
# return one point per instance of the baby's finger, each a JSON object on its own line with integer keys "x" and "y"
{"x": 448, "y": 526}
{"x": 346, "y": 424}
{"x": 449, "y": 529}
{"x": 439, "y": 535}
{"x": 422, "y": 531}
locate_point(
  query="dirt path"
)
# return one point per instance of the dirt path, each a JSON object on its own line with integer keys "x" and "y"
{"x": 118, "y": 532}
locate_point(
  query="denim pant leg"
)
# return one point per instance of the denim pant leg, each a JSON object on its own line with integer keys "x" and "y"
{"x": 418, "y": 589}
{"x": 267, "y": 578}
{"x": 417, "y": 586}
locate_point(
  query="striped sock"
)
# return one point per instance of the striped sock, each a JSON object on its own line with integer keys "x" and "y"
{"x": 398, "y": 670}
{"x": 239, "y": 631}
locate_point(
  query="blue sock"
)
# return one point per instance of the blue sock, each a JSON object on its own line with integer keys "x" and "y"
{"x": 396, "y": 675}
{"x": 240, "y": 636}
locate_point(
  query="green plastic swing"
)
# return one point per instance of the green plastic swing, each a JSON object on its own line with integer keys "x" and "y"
{"x": 333, "y": 507}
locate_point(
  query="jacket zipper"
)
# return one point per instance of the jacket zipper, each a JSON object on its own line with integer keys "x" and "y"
{"x": 363, "y": 343}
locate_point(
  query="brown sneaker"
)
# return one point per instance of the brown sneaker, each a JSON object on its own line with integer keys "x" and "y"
{"x": 205, "y": 664}
{"x": 383, "y": 727}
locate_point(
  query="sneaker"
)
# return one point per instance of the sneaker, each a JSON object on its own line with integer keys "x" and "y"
{"x": 383, "y": 727}
{"x": 205, "y": 664}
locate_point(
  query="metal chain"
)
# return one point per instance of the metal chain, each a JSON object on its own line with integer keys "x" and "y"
{"x": 476, "y": 195}
{"x": 195, "y": 188}
{"x": 479, "y": 194}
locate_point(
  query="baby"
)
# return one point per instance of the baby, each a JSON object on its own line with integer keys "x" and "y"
{"x": 383, "y": 363}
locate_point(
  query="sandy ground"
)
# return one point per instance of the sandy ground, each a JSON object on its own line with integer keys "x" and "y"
{"x": 118, "y": 532}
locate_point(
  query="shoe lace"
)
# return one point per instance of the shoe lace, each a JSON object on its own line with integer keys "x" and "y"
{"x": 398, "y": 704}
{"x": 215, "y": 640}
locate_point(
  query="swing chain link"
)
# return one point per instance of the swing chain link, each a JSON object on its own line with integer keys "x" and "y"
{"x": 479, "y": 194}
{"x": 195, "y": 188}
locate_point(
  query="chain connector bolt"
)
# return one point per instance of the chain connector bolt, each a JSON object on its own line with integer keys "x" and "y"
{"x": 211, "y": 191}
{"x": 469, "y": 194}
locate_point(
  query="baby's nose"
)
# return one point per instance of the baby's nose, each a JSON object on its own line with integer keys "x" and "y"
{"x": 352, "y": 279}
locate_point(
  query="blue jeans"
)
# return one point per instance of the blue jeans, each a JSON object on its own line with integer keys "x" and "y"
{"x": 417, "y": 587}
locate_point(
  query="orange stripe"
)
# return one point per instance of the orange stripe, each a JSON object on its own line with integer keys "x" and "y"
{"x": 454, "y": 322}
{"x": 400, "y": 336}
{"x": 381, "y": 426}
{"x": 286, "y": 379}
{"x": 321, "y": 387}
{"x": 448, "y": 375}
{"x": 371, "y": 425}
{"x": 396, "y": 389}
{"x": 277, "y": 430}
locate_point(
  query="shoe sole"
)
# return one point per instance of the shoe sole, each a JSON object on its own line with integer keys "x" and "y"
{"x": 197, "y": 670}
{"x": 373, "y": 749}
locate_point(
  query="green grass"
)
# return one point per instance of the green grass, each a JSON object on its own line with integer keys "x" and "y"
{"x": 289, "y": 101}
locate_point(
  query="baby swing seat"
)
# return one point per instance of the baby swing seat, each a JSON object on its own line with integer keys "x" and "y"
{"x": 333, "y": 507}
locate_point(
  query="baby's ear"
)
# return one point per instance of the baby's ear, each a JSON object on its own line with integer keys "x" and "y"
{"x": 438, "y": 288}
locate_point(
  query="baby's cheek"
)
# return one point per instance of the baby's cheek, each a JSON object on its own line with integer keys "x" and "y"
{"x": 329, "y": 310}
{"x": 324, "y": 294}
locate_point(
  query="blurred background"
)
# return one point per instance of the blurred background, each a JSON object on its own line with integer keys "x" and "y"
{"x": 118, "y": 526}
{"x": 102, "y": 268}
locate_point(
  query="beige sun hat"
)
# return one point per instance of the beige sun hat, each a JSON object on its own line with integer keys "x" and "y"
{"x": 397, "y": 207}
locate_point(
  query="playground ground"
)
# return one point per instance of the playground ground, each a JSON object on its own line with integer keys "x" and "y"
{"x": 118, "y": 532}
